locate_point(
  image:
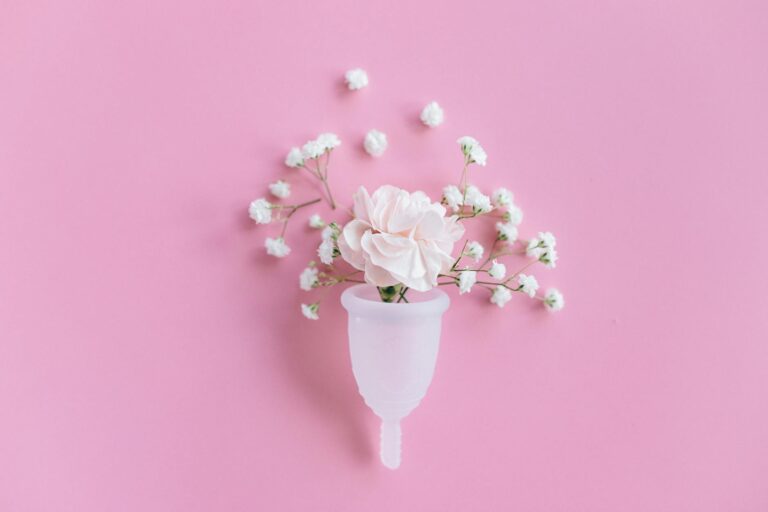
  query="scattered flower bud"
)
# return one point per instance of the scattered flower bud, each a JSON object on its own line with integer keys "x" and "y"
{"x": 310, "y": 310}
{"x": 294, "y": 158}
{"x": 308, "y": 278}
{"x": 528, "y": 284}
{"x": 356, "y": 79}
{"x": 432, "y": 115}
{"x": 474, "y": 250}
{"x": 501, "y": 295}
{"x": 553, "y": 300}
{"x": 277, "y": 247}
{"x": 280, "y": 189}
{"x": 375, "y": 143}
{"x": 472, "y": 149}
{"x": 467, "y": 279}
{"x": 497, "y": 270}
{"x": 316, "y": 222}
{"x": 260, "y": 211}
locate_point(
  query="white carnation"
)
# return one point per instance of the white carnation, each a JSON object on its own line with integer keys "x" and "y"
{"x": 471, "y": 148}
{"x": 375, "y": 143}
{"x": 507, "y": 231}
{"x": 553, "y": 300}
{"x": 328, "y": 140}
{"x": 501, "y": 295}
{"x": 467, "y": 279}
{"x": 474, "y": 250}
{"x": 316, "y": 222}
{"x": 280, "y": 189}
{"x": 528, "y": 284}
{"x": 277, "y": 247}
{"x": 312, "y": 149}
{"x": 502, "y": 197}
{"x": 356, "y": 79}
{"x": 453, "y": 197}
{"x": 260, "y": 211}
{"x": 294, "y": 158}
{"x": 497, "y": 270}
{"x": 308, "y": 278}
{"x": 432, "y": 115}
{"x": 310, "y": 310}
{"x": 326, "y": 251}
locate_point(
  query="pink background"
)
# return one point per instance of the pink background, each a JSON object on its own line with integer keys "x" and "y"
{"x": 151, "y": 360}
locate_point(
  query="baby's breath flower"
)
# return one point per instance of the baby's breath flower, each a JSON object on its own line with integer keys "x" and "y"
{"x": 375, "y": 143}
{"x": 260, "y": 211}
{"x": 312, "y": 149}
{"x": 294, "y": 158}
{"x": 474, "y": 250}
{"x": 472, "y": 149}
{"x": 502, "y": 197}
{"x": 528, "y": 284}
{"x": 310, "y": 310}
{"x": 308, "y": 278}
{"x": 452, "y": 197}
{"x": 553, "y": 300}
{"x": 356, "y": 79}
{"x": 327, "y": 251}
{"x": 467, "y": 279}
{"x": 277, "y": 247}
{"x": 507, "y": 231}
{"x": 501, "y": 296}
{"x": 328, "y": 141}
{"x": 280, "y": 189}
{"x": 479, "y": 202}
{"x": 513, "y": 215}
{"x": 539, "y": 246}
{"x": 432, "y": 115}
{"x": 331, "y": 232}
{"x": 549, "y": 257}
{"x": 316, "y": 222}
{"x": 497, "y": 270}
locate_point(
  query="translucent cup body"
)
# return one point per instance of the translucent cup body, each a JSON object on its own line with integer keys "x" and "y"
{"x": 393, "y": 348}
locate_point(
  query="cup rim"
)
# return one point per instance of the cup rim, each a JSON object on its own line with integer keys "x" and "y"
{"x": 435, "y": 302}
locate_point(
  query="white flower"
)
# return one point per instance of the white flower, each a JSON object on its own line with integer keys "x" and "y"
{"x": 399, "y": 237}
{"x": 553, "y": 300}
{"x": 356, "y": 79}
{"x": 328, "y": 141}
{"x": 452, "y": 197}
{"x": 294, "y": 158}
{"x": 501, "y": 296}
{"x": 471, "y": 148}
{"x": 326, "y": 251}
{"x": 528, "y": 284}
{"x": 549, "y": 257}
{"x": 310, "y": 310}
{"x": 308, "y": 278}
{"x": 507, "y": 231}
{"x": 260, "y": 210}
{"x": 330, "y": 232}
{"x": 375, "y": 142}
{"x": 474, "y": 250}
{"x": 502, "y": 197}
{"x": 277, "y": 247}
{"x": 497, "y": 270}
{"x": 467, "y": 279}
{"x": 432, "y": 115}
{"x": 539, "y": 246}
{"x": 479, "y": 202}
{"x": 513, "y": 215}
{"x": 280, "y": 189}
{"x": 312, "y": 149}
{"x": 316, "y": 222}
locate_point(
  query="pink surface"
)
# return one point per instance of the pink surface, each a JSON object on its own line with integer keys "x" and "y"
{"x": 150, "y": 361}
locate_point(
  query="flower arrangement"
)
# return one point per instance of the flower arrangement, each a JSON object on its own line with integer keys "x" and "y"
{"x": 401, "y": 241}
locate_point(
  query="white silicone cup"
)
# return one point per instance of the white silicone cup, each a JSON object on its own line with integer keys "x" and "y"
{"x": 394, "y": 350}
